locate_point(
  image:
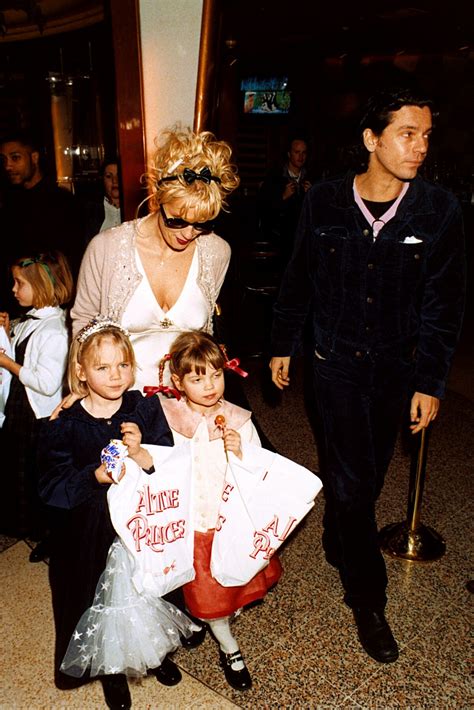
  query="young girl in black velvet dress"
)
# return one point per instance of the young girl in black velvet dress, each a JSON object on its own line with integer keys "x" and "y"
{"x": 74, "y": 483}
{"x": 42, "y": 283}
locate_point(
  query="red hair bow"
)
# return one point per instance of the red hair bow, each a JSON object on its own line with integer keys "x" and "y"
{"x": 234, "y": 365}
{"x": 168, "y": 391}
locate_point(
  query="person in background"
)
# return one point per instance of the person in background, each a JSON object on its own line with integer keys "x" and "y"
{"x": 104, "y": 213}
{"x": 36, "y": 214}
{"x": 281, "y": 195}
{"x": 42, "y": 284}
{"x": 379, "y": 271}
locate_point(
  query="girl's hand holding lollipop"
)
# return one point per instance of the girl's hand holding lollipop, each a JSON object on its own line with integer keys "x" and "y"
{"x": 230, "y": 437}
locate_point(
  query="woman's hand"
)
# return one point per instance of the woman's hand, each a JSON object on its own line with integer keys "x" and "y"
{"x": 67, "y": 402}
{"x": 232, "y": 442}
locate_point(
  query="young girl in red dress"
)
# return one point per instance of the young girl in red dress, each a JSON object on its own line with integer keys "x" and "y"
{"x": 197, "y": 366}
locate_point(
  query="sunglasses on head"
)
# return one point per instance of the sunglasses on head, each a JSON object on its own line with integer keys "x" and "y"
{"x": 178, "y": 223}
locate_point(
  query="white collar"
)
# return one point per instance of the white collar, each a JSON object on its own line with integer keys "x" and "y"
{"x": 43, "y": 312}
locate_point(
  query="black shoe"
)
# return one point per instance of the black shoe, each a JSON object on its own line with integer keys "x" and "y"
{"x": 239, "y": 680}
{"x": 40, "y": 552}
{"x": 168, "y": 673}
{"x": 375, "y": 635}
{"x": 116, "y": 692}
{"x": 195, "y": 640}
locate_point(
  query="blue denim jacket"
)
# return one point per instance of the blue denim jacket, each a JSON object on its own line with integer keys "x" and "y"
{"x": 402, "y": 294}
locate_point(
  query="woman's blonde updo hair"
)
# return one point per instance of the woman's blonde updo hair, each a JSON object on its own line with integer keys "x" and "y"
{"x": 180, "y": 149}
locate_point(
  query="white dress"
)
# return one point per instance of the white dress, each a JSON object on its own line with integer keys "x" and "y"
{"x": 209, "y": 461}
{"x": 152, "y": 330}
{"x": 123, "y": 631}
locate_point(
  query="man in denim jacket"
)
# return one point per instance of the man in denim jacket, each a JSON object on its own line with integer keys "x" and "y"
{"x": 379, "y": 270}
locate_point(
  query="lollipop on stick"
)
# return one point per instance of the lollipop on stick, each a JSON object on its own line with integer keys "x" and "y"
{"x": 219, "y": 421}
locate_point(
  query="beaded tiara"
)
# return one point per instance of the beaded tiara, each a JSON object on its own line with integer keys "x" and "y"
{"x": 96, "y": 325}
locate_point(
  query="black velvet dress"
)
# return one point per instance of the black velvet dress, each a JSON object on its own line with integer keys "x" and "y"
{"x": 21, "y": 511}
{"x": 69, "y": 453}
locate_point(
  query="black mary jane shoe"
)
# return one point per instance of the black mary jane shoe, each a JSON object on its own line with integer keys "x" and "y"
{"x": 168, "y": 673}
{"x": 195, "y": 640}
{"x": 237, "y": 679}
{"x": 116, "y": 692}
{"x": 375, "y": 635}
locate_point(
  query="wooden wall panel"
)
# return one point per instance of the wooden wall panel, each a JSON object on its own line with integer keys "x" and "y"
{"x": 129, "y": 101}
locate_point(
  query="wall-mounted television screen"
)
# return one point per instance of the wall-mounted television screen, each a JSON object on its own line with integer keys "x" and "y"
{"x": 266, "y": 95}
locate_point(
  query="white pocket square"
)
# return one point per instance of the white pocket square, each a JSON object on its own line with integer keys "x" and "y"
{"x": 412, "y": 240}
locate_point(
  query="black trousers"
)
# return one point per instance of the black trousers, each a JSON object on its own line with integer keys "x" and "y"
{"x": 360, "y": 402}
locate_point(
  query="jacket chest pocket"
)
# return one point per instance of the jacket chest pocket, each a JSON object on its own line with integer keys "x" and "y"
{"x": 329, "y": 249}
{"x": 410, "y": 258}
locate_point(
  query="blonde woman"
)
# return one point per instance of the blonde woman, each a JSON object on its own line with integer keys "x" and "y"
{"x": 161, "y": 274}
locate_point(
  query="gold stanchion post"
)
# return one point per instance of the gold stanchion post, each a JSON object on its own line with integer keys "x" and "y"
{"x": 411, "y": 540}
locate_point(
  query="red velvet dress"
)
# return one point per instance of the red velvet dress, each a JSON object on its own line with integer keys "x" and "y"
{"x": 205, "y": 598}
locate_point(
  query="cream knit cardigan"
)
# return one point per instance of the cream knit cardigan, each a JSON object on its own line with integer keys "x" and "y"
{"x": 109, "y": 276}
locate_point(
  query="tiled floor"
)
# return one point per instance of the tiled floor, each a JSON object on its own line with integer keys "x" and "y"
{"x": 300, "y": 644}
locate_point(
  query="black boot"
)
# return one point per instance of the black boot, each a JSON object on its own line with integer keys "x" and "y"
{"x": 116, "y": 692}
{"x": 375, "y": 635}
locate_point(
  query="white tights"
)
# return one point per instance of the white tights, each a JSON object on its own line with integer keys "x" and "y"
{"x": 221, "y": 630}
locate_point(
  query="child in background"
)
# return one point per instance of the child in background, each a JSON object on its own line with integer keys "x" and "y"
{"x": 197, "y": 366}
{"x": 39, "y": 339}
{"x": 75, "y": 482}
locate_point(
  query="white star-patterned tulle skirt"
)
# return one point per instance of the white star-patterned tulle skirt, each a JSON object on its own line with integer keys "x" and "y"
{"x": 124, "y": 631}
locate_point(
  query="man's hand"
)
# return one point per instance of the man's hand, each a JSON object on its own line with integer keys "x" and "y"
{"x": 290, "y": 189}
{"x": 423, "y": 410}
{"x": 280, "y": 367}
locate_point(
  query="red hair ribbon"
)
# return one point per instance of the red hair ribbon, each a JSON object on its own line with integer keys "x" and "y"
{"x": 234, "y": 365}
{"x": 168, "y": 391}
